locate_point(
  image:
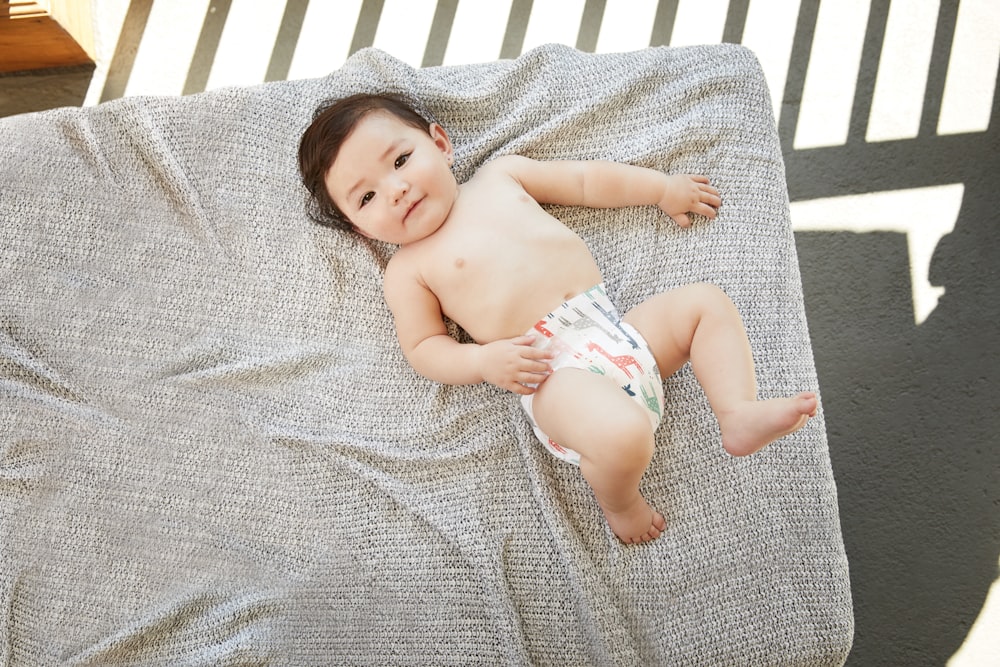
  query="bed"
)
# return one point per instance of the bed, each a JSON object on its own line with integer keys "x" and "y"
{"x": 212, "y": 450}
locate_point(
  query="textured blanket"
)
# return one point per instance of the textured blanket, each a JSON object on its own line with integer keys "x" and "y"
{"x": 212, "y": 450}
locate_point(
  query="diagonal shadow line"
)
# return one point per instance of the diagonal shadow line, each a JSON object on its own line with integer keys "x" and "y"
{"x": 663, "y": 23}
{"x": 736, "y": 21}
{"x": 207, "y": 47}
{"x": 517, "y": 28}
{"x": 286, "y": 40}
{"x": 871, "y": 57}
{"x": 367, "y": 25}
{"x": 590, "y": 25}
{"x": 798, "y": 65}
{"x": 129, "y": 38}
{"x": 440, "y": 33}
{"x": 995, "y": 112}
{"x": 937, "y": 72}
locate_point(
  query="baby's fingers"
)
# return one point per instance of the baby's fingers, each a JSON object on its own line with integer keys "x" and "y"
{"x": 706, "y": 210}
{"x": 533, "y": 371}
{"x": 518, "y": 388}
{"x": 534, "y": 355}
{"x": 681, "y": 219}
{"x": 526, "y": 382}
{"x": 710, "y": 196}
{"x": 525, "y": 340}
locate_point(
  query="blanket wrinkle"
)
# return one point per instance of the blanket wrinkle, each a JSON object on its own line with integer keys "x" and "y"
{"x": 83, "y": 137}
{"x": 606, "y": 638}
{"x": 435, "y": 499}
{"x": 517, "y": 554}
{"x": 156, "y": 145}
{"x": 21, "y": 465}
{"x": 32, "y": 386}
{"x": 18, "y": 366}
{"x": 413, "y": 458}
{"x": 230, "y": 623}
{"x": 262, "y": 368}
{"x": 13, "y": 638}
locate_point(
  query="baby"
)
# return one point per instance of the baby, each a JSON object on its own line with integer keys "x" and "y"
{"x": 528, "y": 292}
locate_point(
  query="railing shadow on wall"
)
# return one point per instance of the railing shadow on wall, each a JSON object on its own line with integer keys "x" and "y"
{"x": 912, "y": 421}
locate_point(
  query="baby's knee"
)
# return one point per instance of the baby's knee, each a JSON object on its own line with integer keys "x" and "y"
{"x": 629, "y": 442}
{"x": 711, "y": 299}
{"x": 709, "y": 293}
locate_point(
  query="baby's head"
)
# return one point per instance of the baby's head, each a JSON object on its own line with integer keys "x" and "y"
{"x": 333, "y": 122}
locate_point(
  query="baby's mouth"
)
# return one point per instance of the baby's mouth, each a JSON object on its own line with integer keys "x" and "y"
{"x": 410, "y": 210}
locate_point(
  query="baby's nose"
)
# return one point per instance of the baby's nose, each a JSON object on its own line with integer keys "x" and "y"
{"x": 399, "y": 189}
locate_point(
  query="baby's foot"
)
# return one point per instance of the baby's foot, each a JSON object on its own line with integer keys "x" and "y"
{"x": 636, "y": 523}
{"x": 754, "y": 424}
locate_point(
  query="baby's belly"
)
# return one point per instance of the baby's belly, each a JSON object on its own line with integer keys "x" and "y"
{"x": 507, "y": 309}
{"x": 501, "y": 283}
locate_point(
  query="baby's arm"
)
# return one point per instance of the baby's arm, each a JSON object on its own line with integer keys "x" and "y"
{"x": 600, "y": 184}
{"x": 424, "y": 339}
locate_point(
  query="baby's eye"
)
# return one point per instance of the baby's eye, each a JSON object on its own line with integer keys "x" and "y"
{"x": 401, "y": 160}
{"x": 367, "y": 197}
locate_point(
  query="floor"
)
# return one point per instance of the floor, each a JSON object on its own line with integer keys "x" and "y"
{"x": 887, "y": 116}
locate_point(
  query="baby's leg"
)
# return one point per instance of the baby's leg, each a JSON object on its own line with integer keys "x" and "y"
{"x": 593, "y": 416}
{"x": 700, "y": 323}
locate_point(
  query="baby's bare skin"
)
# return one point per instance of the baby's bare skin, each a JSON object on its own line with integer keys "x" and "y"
{"x": 495, "y": 229}
{"x": 486, "y": 255}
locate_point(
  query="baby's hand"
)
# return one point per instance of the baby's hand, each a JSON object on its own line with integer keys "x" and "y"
{"x": 687, "y": 193}
{"x": 511, "y": 363}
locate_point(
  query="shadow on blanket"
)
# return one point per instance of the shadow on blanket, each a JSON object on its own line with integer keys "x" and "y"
{"x": 213, "y": 450}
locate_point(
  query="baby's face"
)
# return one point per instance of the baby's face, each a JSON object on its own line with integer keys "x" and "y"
{"x": 392, "y": 180}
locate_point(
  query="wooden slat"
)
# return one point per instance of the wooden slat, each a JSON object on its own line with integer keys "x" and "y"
{"x": 20, "y": 9}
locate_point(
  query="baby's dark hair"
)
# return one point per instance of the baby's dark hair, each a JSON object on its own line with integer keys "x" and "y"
{"x": 333, "y": 121}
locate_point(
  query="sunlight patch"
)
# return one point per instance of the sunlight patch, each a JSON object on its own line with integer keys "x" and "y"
{"x": 972, "y": 69}
{"x": 832, "y": 75}
{"x": 925, "y": 215}
{"x": 982, "y": 645}
{"x": 403, "y": 29}
{"x": 898, "y": 98}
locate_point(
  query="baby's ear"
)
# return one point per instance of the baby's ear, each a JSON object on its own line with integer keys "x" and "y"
{"x": 442, "y": 141}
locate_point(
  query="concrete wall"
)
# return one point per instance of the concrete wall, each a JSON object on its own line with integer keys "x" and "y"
{"x": 895, "y": 195}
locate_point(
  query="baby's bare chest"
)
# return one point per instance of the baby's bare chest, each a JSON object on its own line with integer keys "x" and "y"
{"x": 497, "y": 268}
{"x": 489, "y": 245}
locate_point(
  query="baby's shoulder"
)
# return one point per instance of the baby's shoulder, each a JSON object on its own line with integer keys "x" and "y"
{"x": 499, "y": 177}
{"x": 505, "y": 166}
{"x": 403, "y": 260}
{"x": 401, "y": 271}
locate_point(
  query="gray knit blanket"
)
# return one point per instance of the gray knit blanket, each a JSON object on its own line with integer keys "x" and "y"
{"x": 213, "y": 452}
